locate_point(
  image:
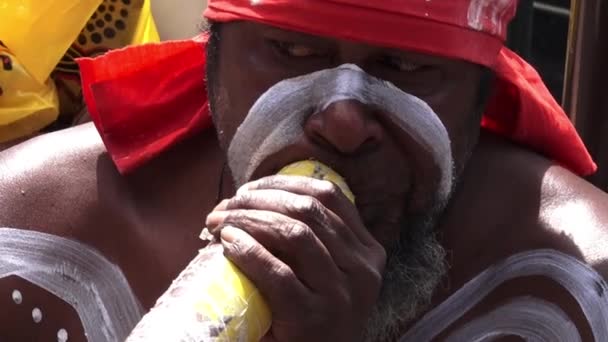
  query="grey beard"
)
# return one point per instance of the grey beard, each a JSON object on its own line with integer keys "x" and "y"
{"x": 415, "y": 266}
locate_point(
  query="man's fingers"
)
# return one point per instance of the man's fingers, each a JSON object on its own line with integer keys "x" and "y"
{"x": 274, "y": 279}
{"x": 326, "y": 192}
{"x": 291, "y": 241}
{"x": 304, "y": 208}
{"x": 333, "y": 233}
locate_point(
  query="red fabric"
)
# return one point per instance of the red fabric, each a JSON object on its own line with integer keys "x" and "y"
{"x": 523, "y": 110}
{"x": 440, "y": 27}
{"x": 145, "y": 99}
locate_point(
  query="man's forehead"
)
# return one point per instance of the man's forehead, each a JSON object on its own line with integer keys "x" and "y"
{"x": 472, "y": 30}
{"x": 326, "y": 40}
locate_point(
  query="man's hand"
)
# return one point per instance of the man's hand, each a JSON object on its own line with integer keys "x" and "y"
{"x": 305, "y": 247}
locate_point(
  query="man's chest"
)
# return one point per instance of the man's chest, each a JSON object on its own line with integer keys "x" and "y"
{"x": 90, "y": 289}
{"x": 530, "y": 287}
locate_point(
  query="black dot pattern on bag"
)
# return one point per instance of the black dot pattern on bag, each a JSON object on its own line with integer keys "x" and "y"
{"x": 109, "y": 19}
{"x": 96, "y": 38}
{"x": 109, "y": 32}
{"x": 120, "y": 24}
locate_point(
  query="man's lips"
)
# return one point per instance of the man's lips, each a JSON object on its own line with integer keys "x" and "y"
{"x": 370, "y": 188}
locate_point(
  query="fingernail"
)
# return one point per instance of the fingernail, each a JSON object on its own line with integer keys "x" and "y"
{"x": 229, "y": 234}
{"x": 215, "y": 218}
{"x": 206, "y": 235}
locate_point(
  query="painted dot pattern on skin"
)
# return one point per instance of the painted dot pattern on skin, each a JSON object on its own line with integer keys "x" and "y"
{"x": 37, "y": 315}
{"x": 17, "y": 297}
{"x": 62, "y": 335}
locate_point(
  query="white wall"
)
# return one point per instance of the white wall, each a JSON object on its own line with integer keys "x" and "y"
{"x": 178, "y": 19}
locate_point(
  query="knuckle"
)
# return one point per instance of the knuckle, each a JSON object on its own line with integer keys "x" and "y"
{"x": 271, "y": 182}
{"x": 327, "y": 191}
{"x": 370, "y": 270}
{"x": 376, "y": 277}
{"x": 234, "y": 216}
{"x": 281, "y": 272}
{"x": 239, "y": 200}
{"x": 297, "y": 231}
{"x": 244, "y": 250}
{"x": 284, "y": 278}
{"x": 380, "y": 255}
{"x": 344, "y": 298}
{"x": 306, "y": 206}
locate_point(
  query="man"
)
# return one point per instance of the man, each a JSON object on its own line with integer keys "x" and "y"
{"x": 391, "y": 95}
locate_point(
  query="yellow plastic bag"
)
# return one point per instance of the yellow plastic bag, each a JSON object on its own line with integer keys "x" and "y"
{"x": 38, "y": 32}
{"x": 42, "y": 38}
{"x": 26, "y": 105}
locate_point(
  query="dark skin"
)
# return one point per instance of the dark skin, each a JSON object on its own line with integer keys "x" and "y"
{"x": 510, "y": 200}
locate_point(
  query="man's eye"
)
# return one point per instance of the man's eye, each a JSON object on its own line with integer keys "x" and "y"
{"x": 399, "y": 64}
{"x": 296, "y": 50}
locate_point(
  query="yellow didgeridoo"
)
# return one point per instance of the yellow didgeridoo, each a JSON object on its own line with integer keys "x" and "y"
{"x": 211, "y": 300}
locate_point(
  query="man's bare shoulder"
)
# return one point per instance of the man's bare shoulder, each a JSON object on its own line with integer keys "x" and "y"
{"x": 577, "y": 210}
{"x": 530, "y": 202}
{"x": 43, "y": 181}
{"x": 514, "y": 204}
{"x": 47, "y": 184}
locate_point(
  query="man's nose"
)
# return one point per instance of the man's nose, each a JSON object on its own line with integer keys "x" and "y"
{"x": 348, "y": 127}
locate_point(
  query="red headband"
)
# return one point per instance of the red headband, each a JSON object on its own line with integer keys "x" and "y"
{"x": 145, "y": 99}
{"x": 473, "y": 30}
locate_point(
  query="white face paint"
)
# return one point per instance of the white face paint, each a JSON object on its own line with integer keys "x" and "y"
{"x": 289, "y": 103}
{"x": 584, "y": 284}
{"x": 489, "y": 15}
{"x": 75, "y": 273}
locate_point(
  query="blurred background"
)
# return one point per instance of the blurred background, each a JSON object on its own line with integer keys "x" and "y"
{"x": 177, "y": 19}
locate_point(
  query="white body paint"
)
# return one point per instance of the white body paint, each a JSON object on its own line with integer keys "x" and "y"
{"x": 78, "y": 275}
{"x": 489, "y": 15}
{"x": 17, "y": 297}
{"x": 62, "y": 335}
{"x": 101, "y": 296}
{"x": 532, "y": 319}
{"x": 582, "y": 282}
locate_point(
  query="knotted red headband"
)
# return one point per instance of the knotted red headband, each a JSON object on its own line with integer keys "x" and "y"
{"x": 145, "y": 99}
